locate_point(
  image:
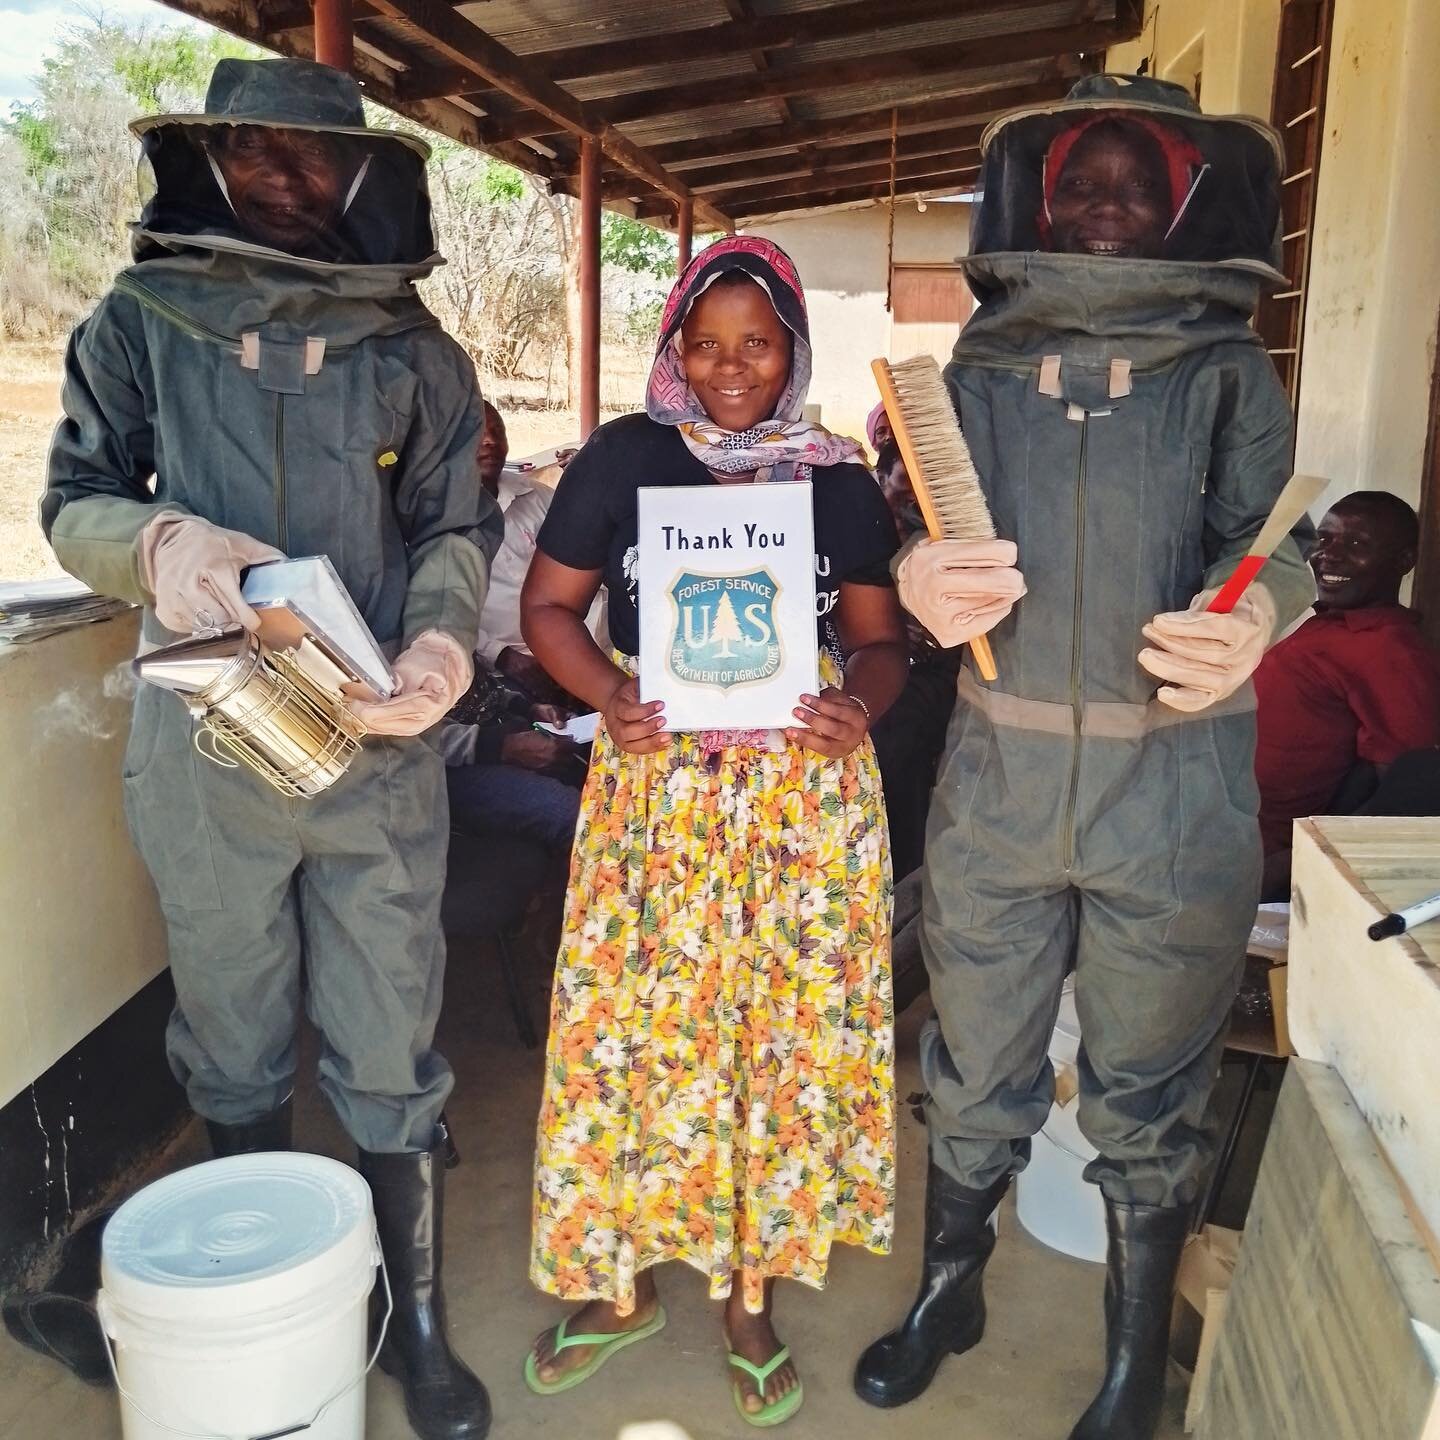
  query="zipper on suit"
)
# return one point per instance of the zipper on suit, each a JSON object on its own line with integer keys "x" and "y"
{"x": 176, "y": 317}
{"x": 1077, "y": 615}
{"x": 282, "y": 522}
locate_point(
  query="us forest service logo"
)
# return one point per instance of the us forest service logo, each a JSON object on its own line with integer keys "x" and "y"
{"x": 725, "y": 633}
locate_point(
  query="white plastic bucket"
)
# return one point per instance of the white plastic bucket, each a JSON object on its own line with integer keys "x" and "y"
{"x": 1064, "y": 1047}
{"x": 1055, "y": 1204}
{"x": 1052, "y": 1199}
{"x": 235, "y": 1295}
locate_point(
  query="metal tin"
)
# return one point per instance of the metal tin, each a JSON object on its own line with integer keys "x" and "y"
{"x": 269, "y": 710}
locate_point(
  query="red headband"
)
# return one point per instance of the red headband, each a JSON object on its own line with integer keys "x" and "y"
{"x": 1183, "y": 159}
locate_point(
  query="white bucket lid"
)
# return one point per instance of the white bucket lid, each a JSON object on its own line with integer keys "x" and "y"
{"x": 1064, "y": 1047}
{"x": 234, "y": 1238}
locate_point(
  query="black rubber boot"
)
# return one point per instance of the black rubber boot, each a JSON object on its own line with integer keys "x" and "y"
{"x": 948, "y": 1315}
{"x": 254, "y": 1137}
{"x": 1143, "y": 1256}
{"x": 443, "y": 1399}
{"x": 60, "y": 1321}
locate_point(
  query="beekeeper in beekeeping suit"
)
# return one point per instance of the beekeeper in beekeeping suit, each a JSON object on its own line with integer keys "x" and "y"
{"x": 1096, "y": 812}
{"x": 267, "y": 362}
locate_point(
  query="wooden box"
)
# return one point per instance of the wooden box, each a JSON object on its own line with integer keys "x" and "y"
{"x": 1331, "y": 1326}
{"x": 1372, "y": 1009}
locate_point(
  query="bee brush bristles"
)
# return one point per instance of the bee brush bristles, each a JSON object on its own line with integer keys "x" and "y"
{"x": 941, "y": 470}
{"x": 938, "y": 462}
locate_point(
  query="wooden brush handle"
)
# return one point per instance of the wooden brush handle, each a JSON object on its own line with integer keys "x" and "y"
{"x": 984, "y": 658}
{"x": 980, "y": 646}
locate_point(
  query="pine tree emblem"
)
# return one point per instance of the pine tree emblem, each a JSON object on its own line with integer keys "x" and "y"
{"x": 727, "y": 627}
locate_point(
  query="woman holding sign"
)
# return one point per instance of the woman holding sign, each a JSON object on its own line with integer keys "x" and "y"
{"x": 719, "y": 1086}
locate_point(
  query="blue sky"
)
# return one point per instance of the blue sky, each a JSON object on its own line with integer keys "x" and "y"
{"x": 32, "y": 27}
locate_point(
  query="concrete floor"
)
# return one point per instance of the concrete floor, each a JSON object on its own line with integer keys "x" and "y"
{"x": 1029, "y": 1380}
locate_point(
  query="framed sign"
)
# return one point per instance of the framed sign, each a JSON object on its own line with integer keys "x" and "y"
{"x": 727, "y": 603}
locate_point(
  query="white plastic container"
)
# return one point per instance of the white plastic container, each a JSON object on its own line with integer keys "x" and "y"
{"x": 1052, "y": 1199}
{"x": 235, "y": 1296}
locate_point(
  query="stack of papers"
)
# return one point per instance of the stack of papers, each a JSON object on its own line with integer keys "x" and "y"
{"x": 579, "y": 728}
{"x": 293, "y": 597}
{"x": 32, "y": 609}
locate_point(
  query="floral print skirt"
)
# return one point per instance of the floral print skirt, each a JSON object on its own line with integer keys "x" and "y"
{"x": 719, "y": 1083}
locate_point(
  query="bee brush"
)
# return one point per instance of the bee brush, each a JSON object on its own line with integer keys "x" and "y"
{"x": 938, "y": 462}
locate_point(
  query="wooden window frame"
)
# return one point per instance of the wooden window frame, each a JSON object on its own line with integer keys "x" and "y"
{"x": 949, "y": 270}
{"x": 1302, "y": 68}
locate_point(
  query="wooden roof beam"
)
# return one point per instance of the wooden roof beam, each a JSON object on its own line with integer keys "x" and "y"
{"x": 942, "y": 179}
{"x": 773, "y": 32}
{"x": 856, "y": 194}
{"x": 955, "y": 162}
{"x": 277, "y": 16}
{"x": 377, "y": 80}
{"x": 831, "y": 161}
{"x": 927, "y": 115}
{"x": 951, "y": 183}
{"x": 740, "y": 11}
{"x": 739, "y": 35}
{"x": 467, "y": 46}
{"x": 825, "y": 159}
{"x": 458, "y": 124}
{"x": 927, "y": 64}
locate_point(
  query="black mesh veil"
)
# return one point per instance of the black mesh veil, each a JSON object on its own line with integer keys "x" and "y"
{"x": 381, "y": 209}
{"x": 1226, "y": 173}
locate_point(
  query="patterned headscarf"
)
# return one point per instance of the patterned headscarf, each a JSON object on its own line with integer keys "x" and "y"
{"x": 784, "y": 446}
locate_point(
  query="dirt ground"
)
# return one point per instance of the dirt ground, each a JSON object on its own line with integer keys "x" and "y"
{"x": 30, "y": 405}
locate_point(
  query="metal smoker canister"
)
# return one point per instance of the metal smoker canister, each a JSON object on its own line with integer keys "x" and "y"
{"x": 278, "y": 711}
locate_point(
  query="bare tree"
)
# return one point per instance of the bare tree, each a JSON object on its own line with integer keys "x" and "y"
{"x": 565, "y": 227}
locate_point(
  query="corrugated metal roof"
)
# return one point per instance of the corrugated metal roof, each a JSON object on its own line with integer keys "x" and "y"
{"x": 938, "y": 87}
{"x": 530, "y": 26}
{"x": 887, "y": 38}
{"x": 1020, "y": 16}
{"x": 925, "y": 34}
{"x": 526, "y": 121}
{"x": 686, "y": 126}
{"x": 653, "y": 77}
{"x": 842, "y": 101}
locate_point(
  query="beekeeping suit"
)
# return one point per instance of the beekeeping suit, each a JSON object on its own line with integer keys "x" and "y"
{"x": 1096, "y": 811}
{"x": 268, "y": 367}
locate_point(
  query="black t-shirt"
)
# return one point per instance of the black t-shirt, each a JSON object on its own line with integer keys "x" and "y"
{"x": 592, "y": 520}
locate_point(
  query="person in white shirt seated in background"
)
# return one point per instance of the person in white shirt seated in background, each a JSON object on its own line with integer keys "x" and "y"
{"x": 524, "y": 501}
{"x": 505, "y": 777}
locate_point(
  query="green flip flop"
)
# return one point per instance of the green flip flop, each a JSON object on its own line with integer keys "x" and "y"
{"x": 605, "y": 1347}
{"x": 780, "y": 1410}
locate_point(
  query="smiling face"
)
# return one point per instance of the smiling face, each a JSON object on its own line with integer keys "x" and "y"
{"x": 284, "y": 185}
{"x": 736, "y": 353}
{"x": 1113, "y": 196}
{"x": 1363, "y": 550}
{"x": 494, "y": 447}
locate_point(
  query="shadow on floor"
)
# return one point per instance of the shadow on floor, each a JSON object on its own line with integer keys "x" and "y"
{"x": 1029, "y": 1380}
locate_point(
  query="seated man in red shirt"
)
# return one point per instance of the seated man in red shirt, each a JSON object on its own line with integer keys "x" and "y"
{"x": 1355, "y": 685}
